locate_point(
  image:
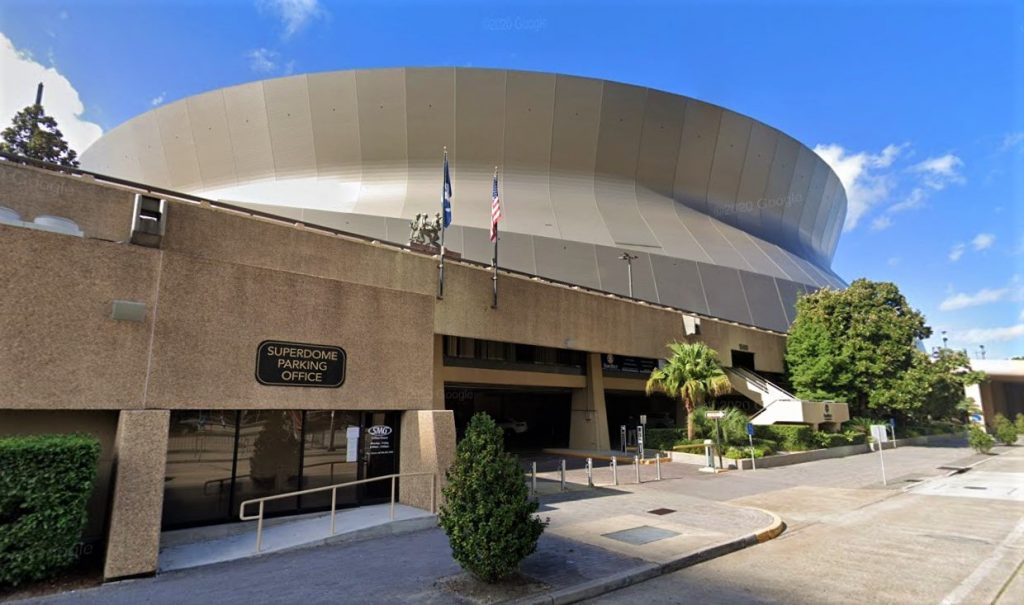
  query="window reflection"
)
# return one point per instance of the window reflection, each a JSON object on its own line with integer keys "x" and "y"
{"x": 200, "y": 451}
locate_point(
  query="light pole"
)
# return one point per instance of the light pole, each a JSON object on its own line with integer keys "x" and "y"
{"x": 629, "y": 258}
{"x": 982, "y": 348}
{"x": 943, "y": 339}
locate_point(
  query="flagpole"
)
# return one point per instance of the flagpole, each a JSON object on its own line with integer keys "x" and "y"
{"x": 494, "y": 259}
{"x": 440, "y": 270}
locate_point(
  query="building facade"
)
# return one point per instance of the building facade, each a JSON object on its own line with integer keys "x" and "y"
{"x": 242, "y": 353}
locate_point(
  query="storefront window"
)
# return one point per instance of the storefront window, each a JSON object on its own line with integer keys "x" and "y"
{"x": 218, "y": 459}
{"x": 200, "y": 458}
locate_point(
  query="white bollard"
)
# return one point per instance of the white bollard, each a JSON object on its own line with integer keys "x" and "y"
{"x": 636, "y": 462}
{"x": 563, "y": 474}
{"x": 615, "y": 472}
{"x": 590, "y": 472}
{"x": 533, "y": 484}
{"x": 657, "y": 464}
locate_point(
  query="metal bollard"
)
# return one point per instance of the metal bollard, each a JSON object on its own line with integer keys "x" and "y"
{"x": 590, "y": 472}
{"x": 636, "y": 462}
{"x": 533, "y": 479}
{"x": 615, "y": 471}
{"x": 563, "y": 474}
{"x": 657, "y": 464}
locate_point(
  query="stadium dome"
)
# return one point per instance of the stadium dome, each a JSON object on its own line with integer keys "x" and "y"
{"x": 728, "y": 217}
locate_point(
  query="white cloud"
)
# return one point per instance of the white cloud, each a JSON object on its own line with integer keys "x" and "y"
{"x": 985, "y": 296}
{"x": 881, "y": 223}
{"x": 294, "y": 14}
{"x": 983, "y": 241}
{"x": 911, "y": 202}
{"x": 262, "y": 60}
{"x": 19, "y": 75}
{"x": 956, "y": 252}
{"x": 987, "y": 335}
{"x": 1011, "y": 140}
{"x": 862, "y": 175}
{"x": 158, "y": 100}
{"x": 940, "y": 171}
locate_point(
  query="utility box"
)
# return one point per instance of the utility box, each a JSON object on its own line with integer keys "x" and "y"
{"x": 149, "y": 220}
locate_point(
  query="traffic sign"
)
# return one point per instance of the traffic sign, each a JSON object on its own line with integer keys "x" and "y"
{"x": 750, "y": 429}
{"x": 715, "y": 414}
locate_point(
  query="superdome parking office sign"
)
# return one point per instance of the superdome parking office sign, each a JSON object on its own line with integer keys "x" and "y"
{"x": 293, "y": 364}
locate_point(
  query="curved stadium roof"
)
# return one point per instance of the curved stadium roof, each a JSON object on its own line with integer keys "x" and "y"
{"x": 729, "y": 217}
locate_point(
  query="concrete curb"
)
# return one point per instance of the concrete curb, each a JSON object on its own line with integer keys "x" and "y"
{"x": 648, "y": 571}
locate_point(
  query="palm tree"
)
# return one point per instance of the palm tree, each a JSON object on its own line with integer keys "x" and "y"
{"x": 691, "y": 374}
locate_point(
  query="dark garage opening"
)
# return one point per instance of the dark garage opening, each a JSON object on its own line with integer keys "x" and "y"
{"x": 532, "y": 418}
{"x": 625, "y": 407}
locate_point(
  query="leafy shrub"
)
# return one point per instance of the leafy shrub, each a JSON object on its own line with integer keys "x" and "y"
{"x": 1019, "y": 422}
{"x": 664, "y": 439}
{"x": 487, "y": 513}
{"x": 45, "y": 484}
{"x": 735, "y": 452}
{"x": 790, "y": 437}
{"x": 1005, "y": 430}
{"x": 979, "y": 440}
{"x": 855, "y": 438}
{"x": 822, "y": 439}
{"x": 860, "y": 424}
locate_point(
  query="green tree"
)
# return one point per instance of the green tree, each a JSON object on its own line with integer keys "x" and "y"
{"x": 855, "y": 345}
{"x": 931, "y": 386}
{"x": 487, "y": 513}
{"x": 35, "y": 135}
{"x": 693, "y": 375}
{"x": 1019, "y": 422}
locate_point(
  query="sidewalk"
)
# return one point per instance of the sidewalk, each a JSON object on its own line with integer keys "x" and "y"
{"x": 598, "y": 539}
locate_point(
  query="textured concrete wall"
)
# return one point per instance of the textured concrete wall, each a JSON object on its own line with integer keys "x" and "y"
{"x": 140, "y": 455}
{"x": 60, "y": 347}
{"x": 768, "y": 348}
{"x": 99, "y": 211}
{"x": 428, "y": 445}
{"x": 588, "y": 425}
{"x": 213, "y": 315}
{"x": 530, "y": 312}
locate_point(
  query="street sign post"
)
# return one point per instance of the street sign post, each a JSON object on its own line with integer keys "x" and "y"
{"x": 640, "y": 441}
{"x": 750, "y": 436}
{"x": 622, "y": 438}
{"x": 717, "y": 415}
{"x": 892, "y": 426}
{"x": 879, "y": 432}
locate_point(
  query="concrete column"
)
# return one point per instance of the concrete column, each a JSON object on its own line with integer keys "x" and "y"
{"x": 588, "y": 429}
{"x": 438, "y": 372}
{"x": 427, "y": 445}
{"x": 140, "y": 455}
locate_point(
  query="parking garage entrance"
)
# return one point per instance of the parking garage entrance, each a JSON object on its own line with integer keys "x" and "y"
{"x": 626, "y": 407}
{"x": 531, "y": 418}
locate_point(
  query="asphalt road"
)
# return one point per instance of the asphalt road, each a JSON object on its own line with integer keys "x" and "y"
{"x": 937, "y": 540}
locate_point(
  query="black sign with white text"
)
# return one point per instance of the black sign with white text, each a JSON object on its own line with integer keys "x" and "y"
{"x": 292, "y": 364}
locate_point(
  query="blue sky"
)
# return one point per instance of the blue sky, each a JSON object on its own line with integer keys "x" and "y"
{"x": 918, "y": 105}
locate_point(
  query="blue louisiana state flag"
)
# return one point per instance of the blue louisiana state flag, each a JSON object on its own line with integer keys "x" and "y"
{"x": 446, "y": 195}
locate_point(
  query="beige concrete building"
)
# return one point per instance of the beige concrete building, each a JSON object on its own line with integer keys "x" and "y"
{"x": 233, "y": 348}
{"x": 1002, "y": 392}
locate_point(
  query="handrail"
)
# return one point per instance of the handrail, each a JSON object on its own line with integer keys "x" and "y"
{"x": 334, "y": 499}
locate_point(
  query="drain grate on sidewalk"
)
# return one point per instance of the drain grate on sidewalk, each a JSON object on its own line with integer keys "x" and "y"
{"x": 645, "y": 534}
{"x": 661, "y": 511}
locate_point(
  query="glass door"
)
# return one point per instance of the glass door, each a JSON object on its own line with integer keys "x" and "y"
{"x": 379, "y": 453}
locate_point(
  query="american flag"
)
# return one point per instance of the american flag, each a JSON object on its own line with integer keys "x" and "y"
{"x": 495, "y": 208}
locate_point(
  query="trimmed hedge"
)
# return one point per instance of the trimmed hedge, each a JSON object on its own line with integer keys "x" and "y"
{"x": 663, "y": 439}
{"x": 790, "y": 437}
{"x": 45, "y": 483}
{"x": 736, "y": 452}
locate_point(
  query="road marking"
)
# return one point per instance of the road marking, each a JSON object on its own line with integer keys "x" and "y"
{"x": 972, "y": 581}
